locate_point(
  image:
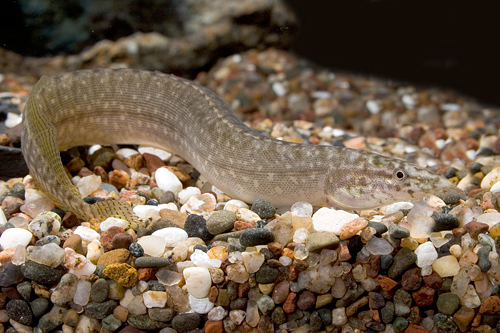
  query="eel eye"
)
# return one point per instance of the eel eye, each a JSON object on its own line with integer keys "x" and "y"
{"x": 400, "y": 175}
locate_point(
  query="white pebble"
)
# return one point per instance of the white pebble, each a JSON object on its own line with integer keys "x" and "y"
{"x": 13, "y": 119}
{"x": 126, "y": 152}
{"x": 162, "y": 154}
{"x": 237, "y": 203}
{"x": 300, "y": 235}
{"x": 331, "y": 220}
{"x": 88, "y": 184}
{"x": 3, "y": 219}
{"x": 302, "y": 209}
{"x": 279, "y": 89}
{"x": 495, "y": 187}
{"x": 408, "y": 101}
{"x": 200, "y": 305}
{"x": 144, "y": 211}
{"x": 187, "y": 193}
{"x": 373, "y": 107}
{"x": 491, "y": 178}
{"x": 200, "y": 259}
{"x": 217, "y": 313}
{"x": 154, "y": 299}
{"x": 246, "y": 215}
{"x": 172, "y": 236}
{"x": 82, "y": 294}
{"x": 168, "y": 181}
{"x": 253, "y": 261}
{"x": 198, "y": 281}
{"x": 87, "y": 234}
{"x": 85, "y": 272}
{"x": 31, "y": 194}
{"x": 321, "y": 94}
{"x": 93, "y": 149}
{"x": 426, "y": 254}
{"x": 13, "y": 237}
{"x": 94, "y": 251}
{"x": 153, "y": 246}
{"x": 392, "y": 208}
{"x": 113, "y": 222}
{"x": 489, "y": 218}
{"x": 49, "y": 254}
{"x": 237, "y": 316}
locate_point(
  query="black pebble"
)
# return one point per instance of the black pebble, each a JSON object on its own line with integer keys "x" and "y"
{"x": 326, "y": 316}
{"x": 355, "y": 245}
{"x": 476, "y": 167}
{"x": 136, "y": 249}
{"x": 445, "y": 222}
{"x": 263, "y": 208}
{"x": 184, "y": 322}
{"x": 92, "y": 200}
{"x": 59, "y": 211}
{"x": 451, "y": 172}
{"x": 256, "y": 236}
{"x": 20, "y": 311}
{"x": 196, "y": 226}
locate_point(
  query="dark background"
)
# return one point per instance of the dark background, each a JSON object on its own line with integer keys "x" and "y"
{"x": 445, "y": 43}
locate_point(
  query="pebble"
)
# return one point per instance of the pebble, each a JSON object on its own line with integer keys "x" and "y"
{"x": 172, "y": 236}
{"x": 331, "y": 220}
{"x": 319, "y": 240}
{"x": 402, "y": 261}
{"x": 152, "y": 245}
{"x": 196, "y": 226}
{"x": 45, "y": 223}
{"x": 184, "y": 322}
{"x": 155, "y": 299}
{"x": 198, "y": 281}
{"x": 19, "y": 311}
{"x": 65, "y": 290}
{"x": 398, "y": 232}
{"x": 221, "y": 221}
{"x": 426, "y": 254}
{"x": 153, "y": 262}
{"x": 168, "y": 181}
{"x": 13, "y": 237}
{"x": 99, "y": 290}
{"x": 41, "y": 273}
{"x": 446, "y": 266}
{"x": 124, "y": 274}
{"x": 263, "y": 208}
{"x": 256, "y": 236}
{"x": 113, "y": 222}
{"x": 448, "y": 303}
{"x": 50, "y": 254}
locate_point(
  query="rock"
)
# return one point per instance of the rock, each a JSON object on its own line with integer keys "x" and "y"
{"x": 490, "y": 305}
{"x": 445, "y": 222}
{"x": 266, "y": 274}
{"x": 339, "y": 317}
{"x": 426, "y": 254}
{"x": 184, "y": 322}
{"x": 320, "y": 240}
{"x": 65, "y": 290}
{"x": 144, "y": 322}
{"x": 117, "y": 256}
{"x": 154, "y": 299}
{"x": 446, "y": 266}
{"x": 167, "y": 180}
{"x": 411, "y": 279}
{"x": 122, "y": 241}
{"x": 107, "y": 236}
{"x": 380, "y": 246}
{"x": 45, "y": 223}
{"x": 136, "y": 249}
{"x": 152, "y": 245}
{"x": 10, "y": 274}
{"x": 51, "y": 320}
{"x": 463, "y": 317}
{"x": 87, "y": 235}
{"x": 398, "y": 232}
{"x": 49, "y": 255}
{"x": 196, "y": 226}
{"x": 20, "y": 311}
{"x": 124, "y": 274}
{"x": 39, "y": 306}
{"x": 100, "y": 310}
{"x": 475, "y": 228}
{"x": 172, "y": 236}
{"x": 198, "y": 281}
{"x": 256, "y": 236}
{"x": 74, "y": 242}
{"x": 40, "y": 273}
{"x": 221, "y": 221}
{"x": 99, "y": 290}
{"x": 331, "y": 220}
{"x": 448, "y": 303}
{"x": 263, "y": 208}
{"x": 13, "y": 237}
{"x": 402, "y": 261}
{"x": 111, "y": 323}
{"x": 161, "y": 314}
{"x": 351, "y": 228}
{"x": 306, "y": 300}
{"x": 153, "y": 262}
{"x": 424, "y": 296}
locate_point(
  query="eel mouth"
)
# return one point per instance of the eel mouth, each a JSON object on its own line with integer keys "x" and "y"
{"x": 449, "y": 192}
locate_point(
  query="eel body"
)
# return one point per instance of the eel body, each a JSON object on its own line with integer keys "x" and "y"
{"x": 110, "y": 106}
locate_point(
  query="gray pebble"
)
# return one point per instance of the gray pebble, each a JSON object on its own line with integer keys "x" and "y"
{"x": 265, "y": 304}
{"x": 398, "y": 232}
{"x": 111, "y": 323}
{"x": 143, "y": 322}
{"x": 10, "y": 274}
{"x": 256, "y": 236}
{"x": 266, "y": 274}
{"x": 100, "y": 310}
{"x": 40, "y": 273}
{"x": 380, "y": 228}
{"x": 402, "y": 261}
{"x": 39, "y": 306}
{"x": 161, "y": 314}
{"x": 152, "y": 262}
{"x": 221, "y": 221}
{"x": 445, "y": 222}
{"x": 483, "y": 260}
{"x": 51, "y": 320}
{"x": 263, "y": 208}
{"x": 24, "y": 289}
{"x": 448, "y": 303}
{"x": 99, "y": 291}
{"x": 184, "y": 322}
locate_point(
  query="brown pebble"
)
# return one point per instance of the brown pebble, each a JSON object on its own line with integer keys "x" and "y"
{"x": 107, "y": 237}
{"x": 3, "y": 300}
{"x": 243, "y": 289}
{"x": 463, "y": 317}
{"x": 101, "y": 172}
{"x": 354, "y": 307}
{"x": 182, "y": 175}
{"x": 153, "y": 162}
{"x": 11, "y": 292}
{"x": 280, "y": 292}
{"x": 113, "y": 257}
{"x": 118, "y": 178}
{"x": 121, "y": 241}
{"x": 240, "y": 225}
{"x": 84, "y": 172}
{"x": 289, "y": 305}
{"x": 131, "y": 329}
{"x": 177, "y": 217}
{"x": 275, "y": 247}
{"x": 119, "y": 165}
{"x": 213, "y": 294}
{"x": 414, "y": 328}
{"x": 135, "y": 161}
{"x": 477, "y": 320}
{"x": 386, "y": 283}
{"x": 306, "y": 300}
{"x": 213, "y": 326}
{"x": 121, "y": 313}
{"x": 475, "y": 228}
{"x": 373, "y": 266}
{"x": 124, "y": 274}
{"x": 70, "y": 220}
{"x": 459, "y": 231}
{"x": 75, "y": 164}
{"x": 343, "y": 252}
{"x": 75, "y": 242}
{"x": 411, "y": 279}
{"x": 433, "y": 280}
{"x": 424, "y": 296}
{"x": 490, "y": 305}
{"x": 352, "y": 228}
{"x": 146, "y": 273}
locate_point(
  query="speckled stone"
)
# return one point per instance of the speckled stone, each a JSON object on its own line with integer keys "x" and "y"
{"x": 266, "y": 274}
{"x": 196, "y": 226}
{"x": 111, "y": 323}
{"x": 445, "y": 222}
{"x": 402, "y": 261}
{"x": 114, "y": 257}
{"x": 136, "y": 249}
{"x": 263, "y": 208}
{"x": 99, "y": 290}
{"x": 220, "y": 221}
{"x": 161, "y": 314}
{"x": 448, "y": 303}
{"x": 52, "y": 319}
{"x": 152, "y": 262}
{"x": 20, "y": 311}
{"x": 124, "y": 274}
{"x": 100, "y": 310}
{"x": 256, "y": 236}
{"x": 40, "y": 273}
{"x": 144, "y": 322}
{"x": 483, "y": 260}
{"x": 184, "y": 322}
